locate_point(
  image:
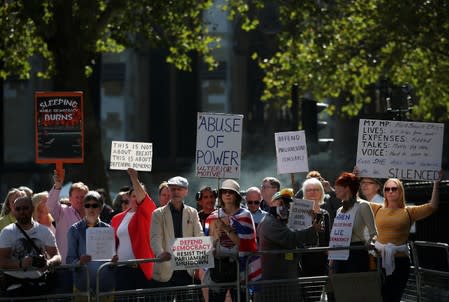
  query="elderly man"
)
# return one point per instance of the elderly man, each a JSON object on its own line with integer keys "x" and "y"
{"x": 270, "y": 185}
{"x": 22, "y": 248}
{"x": 253, "y": 198}
{"x": 174, "y": 220}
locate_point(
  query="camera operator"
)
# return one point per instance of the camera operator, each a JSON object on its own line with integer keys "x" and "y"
{"x": 27, "y": 250}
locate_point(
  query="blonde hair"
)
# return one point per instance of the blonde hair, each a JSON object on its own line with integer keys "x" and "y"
{"x": 12, "y": 195}
{"x": 401, "y": 199}
{"x": 313, "y": 182}
{"x": 37, "y": 200}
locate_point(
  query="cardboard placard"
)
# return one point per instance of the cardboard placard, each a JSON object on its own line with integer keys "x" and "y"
{"x": 134, "y": 155}
{"x": 291, "y": 152}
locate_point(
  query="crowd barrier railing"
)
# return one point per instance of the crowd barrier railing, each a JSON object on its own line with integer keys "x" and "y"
{"x": 310, "y": 288}
{"x": 61, "y": 286}
{"x": 193, "y": 292}
{"x": 431, "y": 269}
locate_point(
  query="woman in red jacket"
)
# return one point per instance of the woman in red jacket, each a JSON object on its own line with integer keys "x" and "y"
{"x": 132, "y": 235}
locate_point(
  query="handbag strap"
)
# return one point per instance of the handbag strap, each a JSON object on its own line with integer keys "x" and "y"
{"x": 38, "y": 250}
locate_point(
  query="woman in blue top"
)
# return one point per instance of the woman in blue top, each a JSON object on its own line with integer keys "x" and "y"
{"x": 93, "y": 204}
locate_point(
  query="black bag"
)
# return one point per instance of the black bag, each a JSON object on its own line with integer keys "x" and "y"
{"x": 225, "y": 270}
{"x": 25, "y": 287}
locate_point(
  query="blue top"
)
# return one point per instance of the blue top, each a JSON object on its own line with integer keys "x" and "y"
{"x": 76, "y": 239}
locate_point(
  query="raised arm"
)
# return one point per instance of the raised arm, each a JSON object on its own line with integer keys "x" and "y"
{"x": 137, "y": 186}
{"x": 435, "y": 199}
{"x": 53, "y": 204}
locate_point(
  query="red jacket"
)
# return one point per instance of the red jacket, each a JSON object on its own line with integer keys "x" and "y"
{"x": 139, "y": 231}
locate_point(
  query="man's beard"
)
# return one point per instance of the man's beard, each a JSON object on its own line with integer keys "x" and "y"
{"x": 24, "y": 220}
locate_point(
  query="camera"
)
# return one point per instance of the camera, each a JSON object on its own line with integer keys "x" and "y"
{"x": 39, "y": 261}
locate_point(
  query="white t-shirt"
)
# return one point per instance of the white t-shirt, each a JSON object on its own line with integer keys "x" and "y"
{"x": 12, "y": 237}
{"x": 125, "y": 249}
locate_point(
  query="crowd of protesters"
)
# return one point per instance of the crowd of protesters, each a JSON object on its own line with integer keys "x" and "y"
{"x": 43, "y": 225}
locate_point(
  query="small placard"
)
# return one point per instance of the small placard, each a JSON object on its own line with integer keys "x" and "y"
{"x": 134, "y": 155}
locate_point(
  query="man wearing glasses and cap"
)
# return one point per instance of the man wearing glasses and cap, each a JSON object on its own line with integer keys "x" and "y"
{"x": 253, "y": 198}
{"x": 174, "y": 220}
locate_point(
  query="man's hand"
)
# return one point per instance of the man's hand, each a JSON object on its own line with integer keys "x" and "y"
{"x": 58, "y": 179}
{"x": 164, "y": 256}
{"x": 85, "y": 259}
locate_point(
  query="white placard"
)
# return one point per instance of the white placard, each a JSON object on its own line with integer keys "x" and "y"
{"x": 192, "y": 252}
{"x": 218, "y": 145}
{"x": 299, "y": 217}
{"x": 291, "y": 152}
{"x": 341, "y": 233}
{"x": 100, "y": 243}
{"x": 404, "y": 150}
{"x": 134, "y": 155}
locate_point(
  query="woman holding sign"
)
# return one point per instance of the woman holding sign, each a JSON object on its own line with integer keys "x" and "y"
{"x": 349, "y": 225}
{"x": 77, "y": 249}
{"x": 393, "y": 220}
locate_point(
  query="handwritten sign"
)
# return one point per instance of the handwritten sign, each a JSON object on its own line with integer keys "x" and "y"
{"x": 299, "y": 217}
{"x": 291, "y": 152}
{"x": 59, "y": 127}
{"x": 404, "y": 150}
{"x": 192, "y": 252}
{"x": 100, "y": 243}
{"x": 341, "y": 233}
{"x": 218, "y": 145}
{"x": 134, "y": 155}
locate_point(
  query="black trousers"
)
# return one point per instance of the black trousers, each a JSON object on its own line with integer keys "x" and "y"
{"x": 394, "y": 285}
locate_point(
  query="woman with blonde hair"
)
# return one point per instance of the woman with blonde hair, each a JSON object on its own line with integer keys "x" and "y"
{"x": 41, "y": 213}
{"x": 7, "y": 213}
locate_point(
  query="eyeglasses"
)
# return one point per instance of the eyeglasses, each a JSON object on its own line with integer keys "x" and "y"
{"x": 91, "y": 205}
{"x": 390, "y": 189}
{"x": 256, "y": 202}
{"x": 224, "y": 191}
{"x": 313, "y": 190}
{"x": 367, "y": 183}
{"x": 24, "y": 208}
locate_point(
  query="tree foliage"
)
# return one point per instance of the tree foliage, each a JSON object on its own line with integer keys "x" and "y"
{"x": 340, "y": 49}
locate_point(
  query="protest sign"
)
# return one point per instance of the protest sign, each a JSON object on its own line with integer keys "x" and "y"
{"x": 192, "y": 252}
{"x": 341, "y": 233}
{"x": 395, "y": 149}
{"x": 100, "y": 243}
{"x": 134, "y": 155}
{"x": 218, "y": 145}
{"x": 299, "y": 217}
{"x": 59, "y": 131}
{"x": 291, "y": 152}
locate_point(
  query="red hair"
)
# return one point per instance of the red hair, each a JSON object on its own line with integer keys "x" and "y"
{"x": 347, "y": 179}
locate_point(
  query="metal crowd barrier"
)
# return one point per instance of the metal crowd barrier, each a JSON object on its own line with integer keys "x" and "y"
{"x": 431, "y": 270}
{"x": 62, "y": 286}
{"x": 186, "y": 293}
{"x": 312, "y": 288}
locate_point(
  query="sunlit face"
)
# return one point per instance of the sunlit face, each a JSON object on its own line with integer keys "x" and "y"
{"x": 92, "y": 209}
{"x": 164, "y": 196}
{"x": 76, "y": 199}
{"x": 42, "y": 210}
{"x": 253, "y": 201}
{"x": 228, "y": 196}
{"x": 369, "y": 187}
{"x": 178, "y": 193}
{"x": 207, "y": 200}
{"x": 392, "y": 192}
{"x": 268, "y": 191}
{"x": 313, "y": 192}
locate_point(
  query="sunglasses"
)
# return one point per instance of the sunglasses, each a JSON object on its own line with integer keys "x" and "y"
{"x": 390, "y": 189}
{"x": 224, "y": 191}
{"x": 256, "y": 202}
{"x": 92, "y": 205}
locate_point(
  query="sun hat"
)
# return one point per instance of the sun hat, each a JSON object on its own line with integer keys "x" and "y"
{"x": 178, "y": 181}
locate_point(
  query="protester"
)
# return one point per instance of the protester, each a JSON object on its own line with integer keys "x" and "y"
{"x": 370, "y": 189}
{"x": 93, "y": 204}
{"x": 174, "y": 220}
{"x": 7, "y": 214}
{"x": 233, "y": 233}
{"x": 28, "y": 191}
{"x": 346, "y": 187}
{"x": 107, "y": 212}
{"x": 164, "y": 194}
{"x": 393, "y": 220}
{"x": 253, "y": 198}
{"x": 41, "y": 213}
{"x": 270, "y": 185}
{"x": 274, "y": 234}
{"x": 132, "y": 234}
{"x": 316, "y": 264}
{"x": 65, "y": 215}
{"x": 121, "y": 202}
{"x": 331, "y": 203}
{"x": 205, "y": 198}
{"x": 27, "y": 250}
